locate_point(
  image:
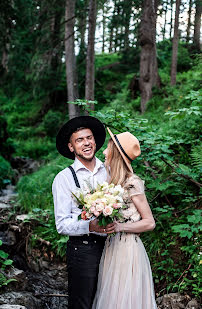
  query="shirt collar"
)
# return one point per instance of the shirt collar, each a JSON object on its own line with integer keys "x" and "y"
{"x": 77, "y": 165}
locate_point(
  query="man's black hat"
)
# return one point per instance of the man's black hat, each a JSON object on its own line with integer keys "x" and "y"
{"x": 64, "y": 134}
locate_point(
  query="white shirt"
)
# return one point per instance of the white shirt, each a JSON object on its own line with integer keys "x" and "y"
{"x": 66, "y": 209}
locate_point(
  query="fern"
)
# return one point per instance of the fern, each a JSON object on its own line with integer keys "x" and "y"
{"x": 196, "y": 154}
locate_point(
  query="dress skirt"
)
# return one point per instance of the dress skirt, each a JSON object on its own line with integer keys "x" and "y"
{"x": 125, "y": 277}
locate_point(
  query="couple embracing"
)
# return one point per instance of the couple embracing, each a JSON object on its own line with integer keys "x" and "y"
{"x": 104, "y": 272}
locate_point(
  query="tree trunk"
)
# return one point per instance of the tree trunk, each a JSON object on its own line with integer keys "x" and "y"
{"x": 165, "y": 21}
{"x": 4, "y": 60}
{"x": 175, "y": 45}
{"x": 111, "y": 37}
{"x": 81, "y": 17}
{"x": 56, "y": 51}
{"x": 197, "y": 25}
{"x": 189, "y": 21}
{"x": 90, "y": 70}
{"x": 148, "y": 61}
{"x": 103, "y": 27}
{"x": 70, "y": 58}
{"x": 171, "y": 19}
{"x": 127, "y": 9}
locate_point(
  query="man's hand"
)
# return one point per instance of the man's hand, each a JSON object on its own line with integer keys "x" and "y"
{"x": 95, "y": 227}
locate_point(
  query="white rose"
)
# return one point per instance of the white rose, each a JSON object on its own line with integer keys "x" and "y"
{"x": 107, "y": 211}
{"x": 100, "y": 206}
{"x": 118, "y": 190}
{"x": 88, "y": 215}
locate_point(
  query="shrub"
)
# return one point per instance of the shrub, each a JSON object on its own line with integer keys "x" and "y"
{"x": 35, "y": 148}
{"x": 6, "y": 172}
{"x": 52, "y": 122}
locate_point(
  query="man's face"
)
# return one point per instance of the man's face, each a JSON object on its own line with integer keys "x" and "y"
{"x": 82, "y": 143}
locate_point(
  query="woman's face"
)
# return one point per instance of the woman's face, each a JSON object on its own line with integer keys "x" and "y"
{"x": 106, "y": 153}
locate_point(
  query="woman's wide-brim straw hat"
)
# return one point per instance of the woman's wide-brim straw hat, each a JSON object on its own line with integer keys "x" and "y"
{"x": 88, "y": 122}
{"x": 128, "y": 146}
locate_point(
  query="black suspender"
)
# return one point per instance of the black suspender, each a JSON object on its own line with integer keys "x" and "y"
{"x": 75, "y": 177}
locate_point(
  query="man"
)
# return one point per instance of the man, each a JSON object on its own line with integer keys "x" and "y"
{"x": 79, "y": 139}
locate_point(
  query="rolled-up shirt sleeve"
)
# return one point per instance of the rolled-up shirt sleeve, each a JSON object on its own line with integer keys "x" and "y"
{"x": 67, "y": 222}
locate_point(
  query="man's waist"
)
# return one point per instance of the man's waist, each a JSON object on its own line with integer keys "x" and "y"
{"x": 87, "y": 237}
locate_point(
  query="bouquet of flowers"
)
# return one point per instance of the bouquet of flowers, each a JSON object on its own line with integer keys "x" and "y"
{"x": 104, "y": 202}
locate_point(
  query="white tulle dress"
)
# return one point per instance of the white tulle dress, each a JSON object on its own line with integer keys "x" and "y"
{"x": 125, "y": 277}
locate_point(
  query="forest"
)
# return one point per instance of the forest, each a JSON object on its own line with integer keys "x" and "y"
{"x": 135, "y": 65}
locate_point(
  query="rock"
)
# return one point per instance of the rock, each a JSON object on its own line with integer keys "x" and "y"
{"x": 172, "y": 301}
{"x": 22, "y": 217}
{"x": 7, "y": 306}
{"x": 8, "y": 194}
{"x": 159, "y": 300}
{"x": 20, "y": 298}
{"x": 8, "y": 238}
{"x": 24, "y": 166}
{"x": 34, "y": 266}
{"x": 43, "y": 264}
{"x": 5, "y": 205}
{"x": 192, "y": 304}
{"x": 20, "y": 276}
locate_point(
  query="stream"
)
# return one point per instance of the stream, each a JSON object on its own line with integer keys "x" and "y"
{"x": 40, "y": 283}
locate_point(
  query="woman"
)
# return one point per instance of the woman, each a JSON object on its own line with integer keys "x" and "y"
{"x": 125, "y": 278}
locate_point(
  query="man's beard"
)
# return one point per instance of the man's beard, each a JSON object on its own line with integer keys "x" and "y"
{"x": 84, "y": 158}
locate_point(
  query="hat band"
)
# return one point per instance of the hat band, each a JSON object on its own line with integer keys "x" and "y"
{"x": 116, "y": 138}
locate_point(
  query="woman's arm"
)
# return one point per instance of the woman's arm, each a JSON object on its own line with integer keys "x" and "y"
{"x": 147, "y": 222}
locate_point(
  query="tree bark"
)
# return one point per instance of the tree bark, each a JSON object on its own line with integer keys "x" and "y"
{"x": 82, "y": 20}
{"x": 111, "y": 38}
{"x": 103, "y": 27}
{"x": 90, "y": 59}
{"x": 165, "y": 21}
{"x": 171, "y": 18}
{"x": 56, "y": 51}
{"x": 70, "y": 58}
{"x": 148, "y": 61}
{"x": 175, "y": 45}
{"x": 189, "y": 21}
{"x": 197, "y": 25}
{"x": 127, "y": 9}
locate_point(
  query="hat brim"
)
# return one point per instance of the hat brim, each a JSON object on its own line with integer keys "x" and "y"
{"x": 119, "y": 149}
{"x": 64, "y": 134}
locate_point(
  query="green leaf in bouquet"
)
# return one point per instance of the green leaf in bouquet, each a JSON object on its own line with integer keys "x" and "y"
{"x": 81, "y": 203}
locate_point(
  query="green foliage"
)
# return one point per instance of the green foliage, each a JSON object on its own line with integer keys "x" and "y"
{"x": 6, "y": 172}
{"x": 108, "y": 76}
{"x": 52, "y": 122}
{"x": 164, "y": 52}
{"x": 6, "y": 143}
{"x": 4, "y": 263}
{"x": 46, "y": 230}
{"x": 196, "y": 155}
{"x": 34, "y": 147}
{"x": 35, "y": 189}
{"x": 35, "y": 197}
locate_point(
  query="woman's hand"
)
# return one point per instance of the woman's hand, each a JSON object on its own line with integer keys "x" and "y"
{"x": 117, "y": 227}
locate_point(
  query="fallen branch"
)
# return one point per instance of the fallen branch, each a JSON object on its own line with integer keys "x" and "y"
{"x": 146, "y": 163}
{"x": 51, "y": 295}
{"x": 198, "y": 184}
{"x": 183, "y": 273}
{"x": 109, "y": 66}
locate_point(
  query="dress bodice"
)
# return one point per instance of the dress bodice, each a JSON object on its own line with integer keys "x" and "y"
{"x": 132, "y": 186}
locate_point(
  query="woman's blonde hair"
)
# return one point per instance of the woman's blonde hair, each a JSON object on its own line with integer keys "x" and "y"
{"x": 117, "y": 169}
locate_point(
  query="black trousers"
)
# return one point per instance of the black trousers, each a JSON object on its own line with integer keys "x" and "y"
{"x": 83, "y": 258}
